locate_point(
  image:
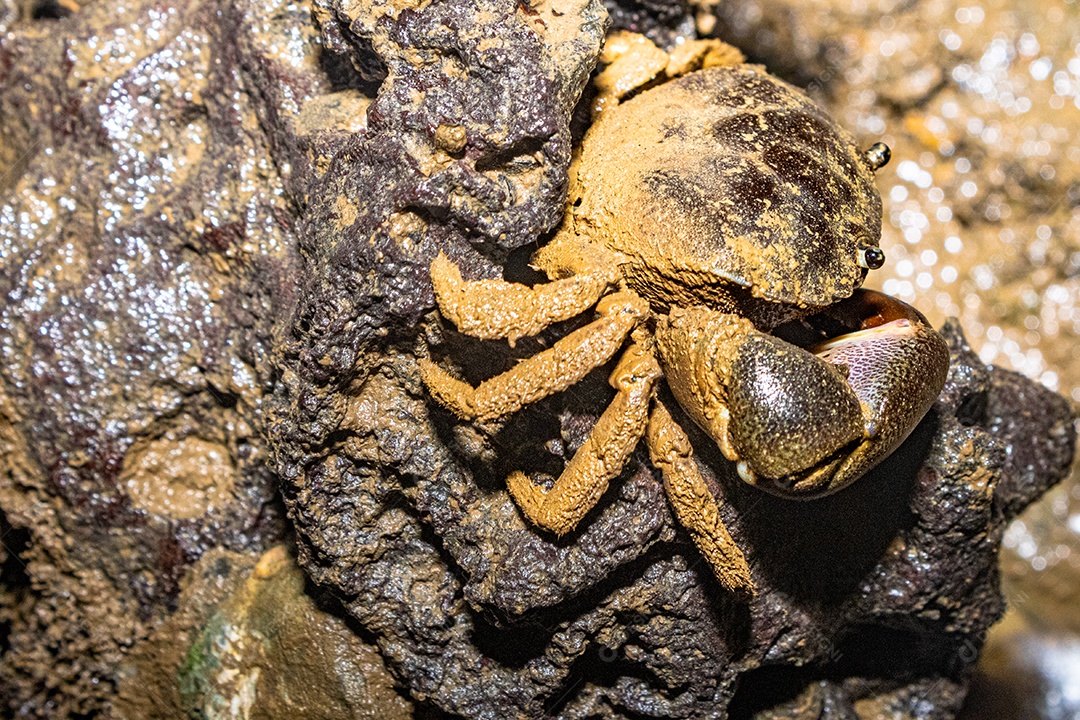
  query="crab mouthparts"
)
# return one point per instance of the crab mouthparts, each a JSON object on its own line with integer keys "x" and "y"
{"x": 867, "y": 309}
{"x": 873, "y": 333}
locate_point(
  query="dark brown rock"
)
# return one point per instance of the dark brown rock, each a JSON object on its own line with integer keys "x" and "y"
{"x": 155, "y": 159}
{"x": 662, "y": 21}
{"x": 146, "y": 255}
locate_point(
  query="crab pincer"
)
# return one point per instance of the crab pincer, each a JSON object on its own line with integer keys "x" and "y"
{"x": 806, "y": 422}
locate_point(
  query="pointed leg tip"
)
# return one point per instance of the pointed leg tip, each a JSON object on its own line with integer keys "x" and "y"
{"x": 453, "y": 394}
{"x": 531, "y": 499}
{"x": 524, "y": 491}
{"x": 730, "y": 568}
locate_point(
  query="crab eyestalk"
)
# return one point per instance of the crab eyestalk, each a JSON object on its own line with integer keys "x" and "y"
{"x": 878, "y": 155}
{"x": 871, "y": 257}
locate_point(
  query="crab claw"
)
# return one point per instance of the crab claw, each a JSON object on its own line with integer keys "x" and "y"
{"x": 894, "y": 365}
{"x": 804, "y": 423}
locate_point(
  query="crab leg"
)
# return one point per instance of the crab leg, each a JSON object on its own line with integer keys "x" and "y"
{"x": 546, "y": 373}
{"x": 694, "y": 504}
{"x": 602, "y": 457}
{"x": 492, "y": 309}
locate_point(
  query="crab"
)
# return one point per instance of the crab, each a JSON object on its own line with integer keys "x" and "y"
{"x": 711, "y": 207}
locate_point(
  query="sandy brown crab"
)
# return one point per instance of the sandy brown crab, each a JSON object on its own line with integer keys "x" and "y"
{"x": 704, "y": 212}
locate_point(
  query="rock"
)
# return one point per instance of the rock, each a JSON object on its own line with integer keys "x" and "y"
{"x": 247, "y": 638}
{"x": 502, "y": 84}
{"x": 157, "y": 160}
{"x": 662, "y": 21}
{"x": 146, "y": 256}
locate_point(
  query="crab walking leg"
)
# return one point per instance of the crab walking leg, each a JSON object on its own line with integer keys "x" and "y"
{"x": 546, "y": 373}
{"x": 602, "y": 457}
{"x": 694, "y": 505}
{"x": 492, "y": 309}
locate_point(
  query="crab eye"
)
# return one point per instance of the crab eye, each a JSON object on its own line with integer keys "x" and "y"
{"x": 877, "y": 156}
{"x": 871, "y": 257}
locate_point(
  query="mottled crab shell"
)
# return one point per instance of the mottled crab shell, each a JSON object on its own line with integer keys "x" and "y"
{"x": 728, "y": 176}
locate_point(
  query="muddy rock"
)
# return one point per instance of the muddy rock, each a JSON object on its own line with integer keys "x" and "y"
{"x": 247, "y": 635}
{"x": 146, "y": 255}
{"x": 157, "y": 162}
{"x": 662, "y": 21}
{"x": 466, "y": 150}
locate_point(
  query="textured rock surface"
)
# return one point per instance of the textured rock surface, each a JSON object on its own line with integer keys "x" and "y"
{"x": 247, "y": 637}
{"x": 146, "y": 253}
{"x": 155, "y": 162}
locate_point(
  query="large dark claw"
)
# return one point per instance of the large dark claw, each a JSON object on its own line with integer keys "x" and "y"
{"x": 895, "y": 365}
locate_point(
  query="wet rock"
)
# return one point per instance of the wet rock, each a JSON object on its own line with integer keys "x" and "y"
{"x": 662, "y": 21}
{"x": 156, "y": 162}
{"x": 146, "y": 256}
{"x": 247, "y": 637}
{"x": 466, "y": 150}
{"x": 877, "y": 596}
